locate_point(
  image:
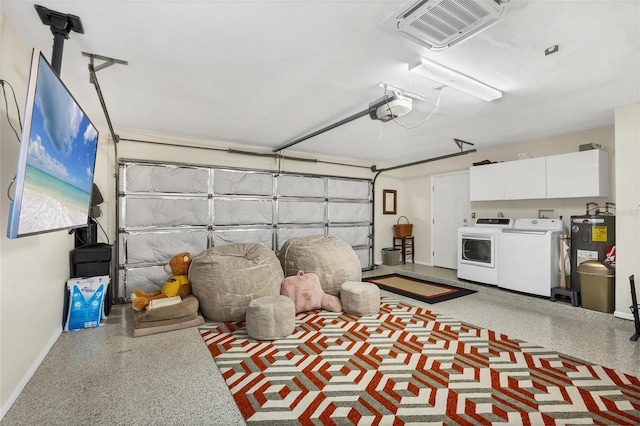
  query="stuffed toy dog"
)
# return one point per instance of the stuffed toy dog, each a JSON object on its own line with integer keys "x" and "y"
{"x": 307, "y": 294}
{"x": 177, "y": 285}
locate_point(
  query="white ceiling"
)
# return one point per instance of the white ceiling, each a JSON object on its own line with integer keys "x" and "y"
{"x": 264, "y": 73}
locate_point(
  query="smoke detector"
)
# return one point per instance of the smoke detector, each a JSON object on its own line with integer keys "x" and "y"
{"x": 440, "y": 24}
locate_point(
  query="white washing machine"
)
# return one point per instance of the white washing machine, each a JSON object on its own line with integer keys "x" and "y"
{"x": 478, "y": 249}
{"x": 529, "y": 256}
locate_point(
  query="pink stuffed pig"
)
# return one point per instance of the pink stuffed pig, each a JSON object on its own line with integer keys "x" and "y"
{"x": 307, "y": 294}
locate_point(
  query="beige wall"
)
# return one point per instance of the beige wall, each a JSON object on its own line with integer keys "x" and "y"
{"x": 33, "y": 270}
{"x": 627, "y": 122}
{"x": 384, "y": 222}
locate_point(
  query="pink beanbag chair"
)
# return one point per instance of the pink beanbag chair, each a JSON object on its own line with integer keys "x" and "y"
{"x": 307, "y": 294}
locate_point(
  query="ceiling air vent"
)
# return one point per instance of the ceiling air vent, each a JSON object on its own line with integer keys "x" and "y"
{"x": 439, "y": 24}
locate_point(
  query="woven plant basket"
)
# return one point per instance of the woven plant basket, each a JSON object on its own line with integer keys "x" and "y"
{"x": 402, "y": 229}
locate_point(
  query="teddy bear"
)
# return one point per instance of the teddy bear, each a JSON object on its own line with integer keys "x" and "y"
{"x": 177, "y": 285}
{"x": 307, "y": 294}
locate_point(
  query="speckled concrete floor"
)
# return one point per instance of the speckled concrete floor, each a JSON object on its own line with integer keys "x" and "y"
{"x": 582, "y": 333}
{"x": 106, "y": 377}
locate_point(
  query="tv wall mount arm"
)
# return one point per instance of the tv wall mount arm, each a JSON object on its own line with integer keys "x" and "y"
{"x": 61, "y": 24}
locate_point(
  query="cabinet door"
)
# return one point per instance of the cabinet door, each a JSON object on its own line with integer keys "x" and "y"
{"x": 486, "y": 182}
{"x": 525, "y": 179}
{"x": 578, "y": 174}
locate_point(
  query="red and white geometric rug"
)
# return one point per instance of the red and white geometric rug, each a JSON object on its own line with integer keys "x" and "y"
{"x": 410, "y": 365}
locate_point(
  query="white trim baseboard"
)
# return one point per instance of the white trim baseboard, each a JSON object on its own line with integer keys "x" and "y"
{"x": 623, "y": 315}
{"x": 30, "y": 372}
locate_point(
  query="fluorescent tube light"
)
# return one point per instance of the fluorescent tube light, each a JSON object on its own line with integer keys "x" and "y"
{"x": 454, "y": 79}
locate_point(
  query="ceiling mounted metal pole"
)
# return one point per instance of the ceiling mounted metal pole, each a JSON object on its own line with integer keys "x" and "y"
{"x": 415, "y": 163}
{"x": 371, "y": 112}
{"x": 93, "y": 79}
{"x": 61, "y": 24}
{"x": 324, "y": 129}
{"x": 458, "y": 142}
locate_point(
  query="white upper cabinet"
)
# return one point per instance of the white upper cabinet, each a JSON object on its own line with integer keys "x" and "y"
{"x": 525, "y": 179}
{"x": 486, "y": 182}
{"x": 578, "y": 174}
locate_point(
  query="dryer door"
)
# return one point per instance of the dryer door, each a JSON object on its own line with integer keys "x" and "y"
{"x": 477, "y": 249}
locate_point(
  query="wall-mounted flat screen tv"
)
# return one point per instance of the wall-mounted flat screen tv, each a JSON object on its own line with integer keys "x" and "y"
{"x": 57, "y": 158}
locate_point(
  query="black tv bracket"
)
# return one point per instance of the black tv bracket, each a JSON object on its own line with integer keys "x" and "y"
{"x": 61, "y": 24}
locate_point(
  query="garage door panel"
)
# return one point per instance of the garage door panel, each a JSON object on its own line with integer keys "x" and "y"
{"x": 165, "y": 209}
{"x": 159, "y": 247}
{"x": 243, "y": 212}
{"x": 145, "y": 212}
{"x": 166, "y": 179}
{"x": 235, "y": 236}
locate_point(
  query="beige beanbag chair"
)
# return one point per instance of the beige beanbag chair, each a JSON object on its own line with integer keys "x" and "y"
{"x": 332, "y": 259}
{"x": 227, "y": 278}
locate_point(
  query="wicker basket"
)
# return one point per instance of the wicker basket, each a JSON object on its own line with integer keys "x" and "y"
{"x": 402, "y": 229}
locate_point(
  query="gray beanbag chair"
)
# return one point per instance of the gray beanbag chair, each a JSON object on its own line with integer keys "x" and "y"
{"x": 332, "y": 259}
{"x": 227, "y": 278}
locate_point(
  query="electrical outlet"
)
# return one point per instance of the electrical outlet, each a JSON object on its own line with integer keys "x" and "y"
{"x": 473, "y": 215}
{"x": 546, "y": 213}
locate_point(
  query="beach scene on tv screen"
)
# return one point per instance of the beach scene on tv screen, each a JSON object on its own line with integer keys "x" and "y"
{"x": 60, "y": 162}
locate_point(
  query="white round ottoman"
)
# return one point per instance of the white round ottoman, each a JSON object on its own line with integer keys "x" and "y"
{"x": 271, "y": 317}
{"x": 360, "y": 298}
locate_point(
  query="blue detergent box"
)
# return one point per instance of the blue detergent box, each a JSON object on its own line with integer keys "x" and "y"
{"x": 86, "y": 302}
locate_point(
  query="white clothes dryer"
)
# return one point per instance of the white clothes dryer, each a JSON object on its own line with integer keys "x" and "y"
{"x": 529, "y": 256}
{"x": 478, "y": 249}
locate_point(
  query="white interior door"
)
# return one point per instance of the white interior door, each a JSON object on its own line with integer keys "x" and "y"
{"x": 449, "y": 211}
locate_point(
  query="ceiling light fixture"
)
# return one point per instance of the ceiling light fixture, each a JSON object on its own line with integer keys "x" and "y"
{"x": 454, "y": 79}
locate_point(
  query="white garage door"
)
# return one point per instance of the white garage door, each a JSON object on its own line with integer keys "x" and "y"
{"x": 165, "y": 209}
